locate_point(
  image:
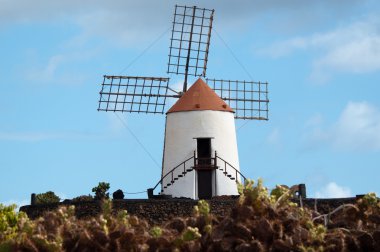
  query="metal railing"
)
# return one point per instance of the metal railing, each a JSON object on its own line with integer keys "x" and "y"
{"x": 200, "y": 164}
{"x": 226, "y": 164}
{"x": 171, "y": 172}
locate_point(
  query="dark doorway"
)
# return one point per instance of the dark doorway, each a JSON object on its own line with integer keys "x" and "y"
{"x": 204, "y": 184}
{"x": 205, "y": 170}
{"x": 204, "y": 151}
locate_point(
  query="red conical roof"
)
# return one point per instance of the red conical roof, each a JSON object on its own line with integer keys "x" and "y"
{"x": 200, "y": 97}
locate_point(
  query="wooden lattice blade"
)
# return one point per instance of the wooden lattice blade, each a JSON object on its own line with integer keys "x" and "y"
{"x": 248, "y": 99}
{"x": 190, "y": 40}
{"x": 134, "y": 94}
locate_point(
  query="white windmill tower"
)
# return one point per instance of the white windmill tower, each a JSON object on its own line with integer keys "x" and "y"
{"x": 200, "y": 157}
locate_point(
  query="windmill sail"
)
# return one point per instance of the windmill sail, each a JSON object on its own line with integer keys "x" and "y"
{"x": 248, "y": 99}
{"x": 134, "y": 94}
{"x": 190, "y": 41}
{"x": 188, "y": 55}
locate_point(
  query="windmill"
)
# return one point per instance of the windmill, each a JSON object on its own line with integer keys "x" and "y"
{"x": 200, "y": 157}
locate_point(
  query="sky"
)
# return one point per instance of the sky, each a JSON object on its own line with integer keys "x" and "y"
{"x": 321, "y": 59}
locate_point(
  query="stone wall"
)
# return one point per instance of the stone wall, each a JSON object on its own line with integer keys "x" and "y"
{"x": 157, "y": 211}
{"x": 154, "y": 210}
{"x": 326, "y": 205}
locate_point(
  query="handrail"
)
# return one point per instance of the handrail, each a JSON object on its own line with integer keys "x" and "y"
{"x": 195, "y": 165}
{"x": 172, "y": 170}
{"x": 225, "y": 167}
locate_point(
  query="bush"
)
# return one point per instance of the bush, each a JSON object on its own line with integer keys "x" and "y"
{"x": 83, "y": 198}
{"x": 118, "y": 194}
{"x": 258, "y": 222}
{"x": 101, "y": 191}
{"x": 47, "y": 198}
{"x": 8, "y": 220}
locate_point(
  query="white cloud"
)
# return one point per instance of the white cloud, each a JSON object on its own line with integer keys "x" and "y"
{"x": 115, "y": 122}
{"x": 130, "y": 22}
{"x": 357, "y": 128}
{"x": 354, "y": 48}
{"x": 58, "y": 68}
{"x": 178, "y": 85}
{"x": 61, "y": 195}
{"x": 274, "y": 137}
{"x": 332, "y": 190}
{"x": 47, "y": 72}
{"x": 29, "y": 136}
{"x": 315, "y": 120}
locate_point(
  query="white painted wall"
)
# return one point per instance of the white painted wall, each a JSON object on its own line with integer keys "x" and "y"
{"x": 181, "y": 129}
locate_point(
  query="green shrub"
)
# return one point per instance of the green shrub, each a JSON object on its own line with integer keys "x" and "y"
{"x": 101, "y": 191}
{"x": 47, "y": 198}
{"x": 83, "y": 198}
{"x": 9, "y": 222}
{"x": 156, "y": 232}
{"x": 258, "y": 222}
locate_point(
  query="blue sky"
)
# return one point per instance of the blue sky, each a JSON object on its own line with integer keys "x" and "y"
{"x": 321, "y": 59}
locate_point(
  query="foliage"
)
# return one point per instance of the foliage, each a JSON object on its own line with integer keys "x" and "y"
{"x": 203, "y": 208}
{"x": 191, "y": 234}
{"x": 101, "y": 191}
{"x": 156, "y": 232}
{"x": 260, "y": 221}
{"x": 8, "y": 221}
{"x": 370, "y": 200}
{"x": 47, "y": 198}
{"x": 317, "y": 232}
{"x": 83, "y": 198}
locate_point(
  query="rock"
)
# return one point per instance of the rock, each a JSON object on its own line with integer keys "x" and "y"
{"x": 257, "y": 246}
{"x": 351, "y": 244}
{"x": 278, "y": 230}
{"x": 242, "y": 212}
{"x": 366, "y": 242}
{"x": 375, "y": 218}
{"x": 352, "y": 212}
{"x": 158, "y": 244}
{"x": 281, "y": 245}
{"x": 115, "y": 234}
{"x": 223, "y": 230}
{"x": 263, "y": 231}
{"x": 192, "y": 246}
{"x": 376, "y": 238}
{"x": 300, "y": 235}
{"x": 244, "y": 247}
{"x": 335, "y": 243}
{"x": 177, "y": 224}
{"x": 229, "y": 243}
{"x": 239, "y": 230}
{"x": 290, "y": 225}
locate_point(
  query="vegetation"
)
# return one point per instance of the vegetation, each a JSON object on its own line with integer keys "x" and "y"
{"x": 83, "y": 198}
{"x": 260, "y": 221}
{"x": 47, "y": 198}
{"x": 101, "y": 191}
